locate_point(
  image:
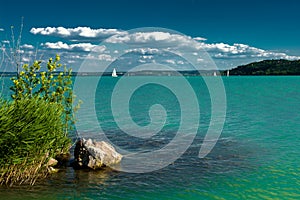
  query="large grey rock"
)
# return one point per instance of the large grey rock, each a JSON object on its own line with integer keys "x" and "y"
{"x": 95, "y": 155}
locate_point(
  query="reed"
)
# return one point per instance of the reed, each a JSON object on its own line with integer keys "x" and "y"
{"x": 31, "y": 132}
{"x": 35, "y": 124}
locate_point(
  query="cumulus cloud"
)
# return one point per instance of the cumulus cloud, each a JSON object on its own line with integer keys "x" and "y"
{"x": 142, "y": 61}
{"x": 199, "y": 38}
{"x": 147, "y": 57}
{"x": 182, "y": 44}
{"x": 200, "y": 59}
{"x": 224, "y": 54}
{"x": 152, "y": 46}
{"x": 170, "y": 61}
{"x": 27, "y": 46}
{"x": 64, "y": 46}
{"x": 143, "y": 50}
{"x": 180, "y": 62}
{"x": 71, "y": 61}
{"x": 1, "y": 29}
{"x": 242, "y": 51}
{"x": 79, "y": 32}
{"x": 154, "y": 39}
{"x": 5, "y": 42}
{"x": 25, "y": 59}
{"x": 56, "y": 45}
{"x": 106, "y": 57}
{"x": 100, "y": 49}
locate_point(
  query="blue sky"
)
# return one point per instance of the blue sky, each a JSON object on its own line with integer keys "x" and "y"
{"x": 233, "y": 32}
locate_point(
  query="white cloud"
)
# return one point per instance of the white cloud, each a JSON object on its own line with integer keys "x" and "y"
{"x": 64, "y": 46}
{"x": 82, "y": 46}
{"x": 20, "y": 51}
{"x": 199, "y": 38}
{"x": 100, "y": 49}
{"x": 27, "y": 46}
{"x": 154, "y": 39}
{"x": 180, "y": 62}
{"x": 5, "y": 41}
{"x": 71, "y": 61}
{"x": 81, "y": 32}
{"x": 56, "y": 45}
{"x": 200, "y": 59}
{"x": 1, "y": 29}
{"x": 243, "y": 51}
{"x": 75, "y": 57}
{"x": 141, "y": 61}
{"x": 152, "y": 45}
{"x": 184, "y": 44}
{"x": 147, "y": 57}
{"x": 171, "y": 61}
{"x": 25, "y": 59}
{"x": 106, "y": 57}
{"x": 143, "y": 50}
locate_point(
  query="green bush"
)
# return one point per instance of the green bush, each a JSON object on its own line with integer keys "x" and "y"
{"x": 31, "y": 131}
{"x": 49, "y": 85}
{"x": 34, "y": 126}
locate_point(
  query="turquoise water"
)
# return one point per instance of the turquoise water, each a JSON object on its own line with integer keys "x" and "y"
{"x": 256, "y": 157}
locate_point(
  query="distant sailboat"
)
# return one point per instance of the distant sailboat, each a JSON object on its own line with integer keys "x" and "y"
{"x": 215, "y": 73}
{"x": 114, "y": 73}
{"x": 227, "y": 72}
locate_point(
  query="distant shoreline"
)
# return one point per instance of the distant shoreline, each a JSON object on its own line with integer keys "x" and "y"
{"x": 157, "y": 73}
{"x": 262, "y": 68}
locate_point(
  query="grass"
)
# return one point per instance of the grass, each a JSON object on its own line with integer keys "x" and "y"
{"x": 31, "y": 132}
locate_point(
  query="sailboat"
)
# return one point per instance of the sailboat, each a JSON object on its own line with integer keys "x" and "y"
{"x": 114, "y": 73}
{"x": 215, "y": 73}
{"x": 227, "y": 72}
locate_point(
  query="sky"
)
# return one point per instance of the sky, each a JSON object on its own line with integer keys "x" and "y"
{"x": 231, "y": 32}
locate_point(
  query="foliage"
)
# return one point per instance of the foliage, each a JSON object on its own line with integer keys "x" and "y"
{"x": 48, "y": 85}
{"x": 34, "y": 126}
{"x": 31, "y": 131}
{"x": 269, "y": 67}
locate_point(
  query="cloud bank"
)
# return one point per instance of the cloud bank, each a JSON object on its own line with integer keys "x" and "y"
{"x": 64, "y": 46}
{"x": 79, "y": 32}
{"x": 148, "y": 44}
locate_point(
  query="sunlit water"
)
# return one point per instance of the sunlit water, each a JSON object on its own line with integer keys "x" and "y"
{"x": 256, "y": 157}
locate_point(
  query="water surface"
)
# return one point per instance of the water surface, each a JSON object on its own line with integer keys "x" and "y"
{"x": 256, "y": 157}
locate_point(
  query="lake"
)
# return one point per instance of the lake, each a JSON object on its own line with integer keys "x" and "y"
{"x": 255, "y": 157}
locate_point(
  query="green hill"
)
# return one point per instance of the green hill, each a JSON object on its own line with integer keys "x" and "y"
{"x": 269, "y": 67}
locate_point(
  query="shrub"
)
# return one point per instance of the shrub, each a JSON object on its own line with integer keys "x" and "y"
{"x": 49, "y": 85}
{"x": 31, "y": 131}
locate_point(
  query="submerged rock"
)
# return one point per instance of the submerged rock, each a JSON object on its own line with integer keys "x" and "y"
{"x": 95, "y": 155}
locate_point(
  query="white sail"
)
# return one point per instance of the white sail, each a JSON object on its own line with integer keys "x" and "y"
{"x": 227, "y": 72}
{"x": 114, "y": 73}
{"x": 215, "y": 73}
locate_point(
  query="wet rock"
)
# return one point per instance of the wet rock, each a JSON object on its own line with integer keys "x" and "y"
{"x": 50, "y": 165}
{"x": 95, "y": 155}
{"x": 52, "y": 162}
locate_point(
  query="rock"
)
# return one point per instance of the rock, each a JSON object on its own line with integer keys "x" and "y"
{"x": 52, "y": 162}
{"x": 50, "y": 165}
{"x": 52, "y": 170}
{"x": 95, "y": 155}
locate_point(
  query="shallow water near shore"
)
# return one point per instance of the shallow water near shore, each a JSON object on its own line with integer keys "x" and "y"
{"x": 256, "y": 156}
